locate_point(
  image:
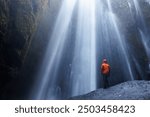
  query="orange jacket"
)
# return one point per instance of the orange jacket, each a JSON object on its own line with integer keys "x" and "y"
{"x": 105, "y": 68}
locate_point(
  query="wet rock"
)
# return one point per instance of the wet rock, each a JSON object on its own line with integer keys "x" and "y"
{"x": 22, "y": 24}
{"x": 131, "y": 90}
{"x": 19, "y": 20}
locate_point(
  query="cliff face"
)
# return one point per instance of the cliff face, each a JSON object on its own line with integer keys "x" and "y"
{"x": 19, "y": 20}
{"x": 23, "y": 27}
{"x": 131, "y": 19}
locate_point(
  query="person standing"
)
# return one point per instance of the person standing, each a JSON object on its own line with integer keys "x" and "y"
{"x": 105, "y": 71}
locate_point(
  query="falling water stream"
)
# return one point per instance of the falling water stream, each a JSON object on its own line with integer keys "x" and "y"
{"x": 83, "y": 73}
{"x": 142, "y": 28}
{"x": 145, "y": 36}
{"x": 97, "y": 35}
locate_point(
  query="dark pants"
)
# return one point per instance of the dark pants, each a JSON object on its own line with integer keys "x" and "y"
{"x": 105, "y": 79}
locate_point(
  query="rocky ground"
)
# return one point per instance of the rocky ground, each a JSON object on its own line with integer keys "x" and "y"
{"x": 131, "y": 90}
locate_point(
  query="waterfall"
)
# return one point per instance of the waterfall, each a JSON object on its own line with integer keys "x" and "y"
{"x": 148, "y": 1}
{"x": 112, "y": 42}
{"x": 48, "y": 72}
{"x": 86, "y": 32}
{"x": 83, "y": 75}
{"x": 145, "y": 36}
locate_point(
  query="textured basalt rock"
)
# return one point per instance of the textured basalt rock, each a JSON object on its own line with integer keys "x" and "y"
{"x": 19, "y": 19}
{"x": 22, "y": 24}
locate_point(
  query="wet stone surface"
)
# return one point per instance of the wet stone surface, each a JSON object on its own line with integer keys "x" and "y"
{"x": 132, "y": 90}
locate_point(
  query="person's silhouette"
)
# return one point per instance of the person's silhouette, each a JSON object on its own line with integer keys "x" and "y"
{"x": 105, "y": 71}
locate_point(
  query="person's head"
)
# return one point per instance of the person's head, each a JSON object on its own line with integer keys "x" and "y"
{"x": 104, "y": 60}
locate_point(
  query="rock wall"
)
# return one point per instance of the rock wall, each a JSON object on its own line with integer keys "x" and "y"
{"x": 129, "y": 25}
{"x": 23, "y": 36}
{"x": 41, "y": 37}
{"x": 19, "y": 20}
